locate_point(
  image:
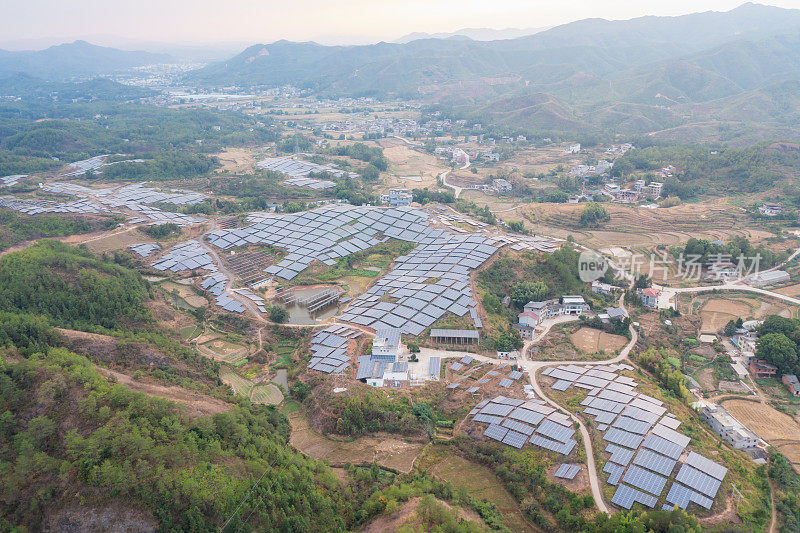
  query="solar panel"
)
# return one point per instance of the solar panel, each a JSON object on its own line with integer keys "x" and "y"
{"x": 663, "y": 446}
{"x": 498, "y": 409}
{"x": 493, "y": 431}
{"x": 614, "y": 472}
{"x": 525, "y": 415}
{"x": 505, "y": 382}
{"x": 623, "y": 438}
{"x": 515, "y": 375}
{"x": 655, "y": 462}
{"x": 561, "y": 385}
{"x": 564, "y": 448}
{"x": 515, "y": 439}
{"x": 671, "y": 435}
{"x": 706, "y": 465}
{"x": 619, "y": 455}
{"x": 456, "y": 367}
{"x": 554, "y": 431}
{"x": 488, "y": 419}
{"x": 631, "y": 425}
{"x": 567, "y": 471}
{"x": 517, "y": 426}
{"x": 697, "y": 480}
{"x": 625, "y": 497}
{"x": 682, "y": 496}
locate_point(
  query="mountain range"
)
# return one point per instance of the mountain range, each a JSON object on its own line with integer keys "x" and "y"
{"x": 476, "y": 34}
{"x": 76, "y": 60}
{"x": 633, "y": 76}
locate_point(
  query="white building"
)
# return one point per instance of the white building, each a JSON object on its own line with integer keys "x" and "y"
{"x": 501, "y": 185}
{"x": 726, "y": 426}
{"x": 574, "y": 148}
{"x": 773, "y": 277}
{"x": 386, "y": 345}
{"x": 655, "y": 189}
{"x": 397, "y": 198}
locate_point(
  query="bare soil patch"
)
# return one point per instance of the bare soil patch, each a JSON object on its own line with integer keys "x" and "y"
{"x": 591, "y": 340}
{"x": 193, "y": 403}
{"x": 770, "y": 424}
{"x": 407, "y": 516}
{"x": 386, "y": 450}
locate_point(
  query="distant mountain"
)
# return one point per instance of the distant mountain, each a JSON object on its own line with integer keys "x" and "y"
{"x": 32, "y": 88}
{"x": 476, "y": 34}
{"x": 631, "y": 76}
{"x": 73, "y": 60}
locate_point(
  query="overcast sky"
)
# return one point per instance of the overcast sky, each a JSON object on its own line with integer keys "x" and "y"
{"x": 327, "y": 21}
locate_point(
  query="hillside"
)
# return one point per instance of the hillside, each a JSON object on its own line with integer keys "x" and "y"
{"x": 73, "y": 60}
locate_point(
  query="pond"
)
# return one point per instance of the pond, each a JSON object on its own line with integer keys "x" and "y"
{"x": 300, "y": 315}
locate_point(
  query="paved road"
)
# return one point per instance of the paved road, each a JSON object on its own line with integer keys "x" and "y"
{"x": 668, "y": 292}
{"x": 533, "y": 366}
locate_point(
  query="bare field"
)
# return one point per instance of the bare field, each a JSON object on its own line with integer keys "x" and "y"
{"x": 405, "y": 162}
{"x": 717, "y": 312}
{"x": 591, "y": 340}
{"x": 267, "y": 394}
{"x": 236, "y": 161}
{"x": 770, "y": 424}
{"x": 637, "y": 226}
{"x": 108, "y": 242}
{"x": 387, "y": 451}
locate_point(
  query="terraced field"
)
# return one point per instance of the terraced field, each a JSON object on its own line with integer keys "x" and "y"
{"x": 634, "y": 226}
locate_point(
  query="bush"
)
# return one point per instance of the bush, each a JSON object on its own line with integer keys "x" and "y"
{"x": 278, "y": 314}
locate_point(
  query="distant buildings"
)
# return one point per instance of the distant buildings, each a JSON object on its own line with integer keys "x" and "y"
{"x": 655, "y": 189}
{"x": 598, "y": 287}
{"x": 397, "y": 198}
{"x": 726, "y": 426}
{"x": 501, "y": 185}
{"x": 574, "y": 148}
{"x": 771, "y": 209}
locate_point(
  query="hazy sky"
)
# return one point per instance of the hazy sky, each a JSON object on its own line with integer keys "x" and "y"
{"x": 354, "y": 21}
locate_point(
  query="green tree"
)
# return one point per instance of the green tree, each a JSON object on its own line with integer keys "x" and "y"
{"x": 779, "y": 350}
{"x": 278, "y": 314}
{"x": 528, "y": 291}
{"x": 594, "y": 215}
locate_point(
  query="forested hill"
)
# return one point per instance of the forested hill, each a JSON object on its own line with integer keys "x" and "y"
{"x": 73, "y": 60}
{"x": 72, "y": 288}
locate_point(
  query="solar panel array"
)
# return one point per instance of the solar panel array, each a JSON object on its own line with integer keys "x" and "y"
{"x": 10, "y": 181}
{"x": 644, "y": 445}
{"x": 189, "y": 255}
{"x": 298, "y": 168}
{"x": 526, "y": 421}
{"x": 566, "y": 471}
{"x": 144, "y": 249}
{"x": 310, "y": 183}
{"x": 329, "y": 349}
{"x": 424, "y": 284}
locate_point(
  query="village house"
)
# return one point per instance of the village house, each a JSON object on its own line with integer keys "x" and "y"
{"x": 386, "y": 345}
{"x": 501, "y": 185}
{"x": 726, "y": 426}
{"x": 598, "y": 287}
{"x": 791, "y": 382}
{"x": 762, "y": 369}
{"x": 771, "y": 209}
{"x": 655, "y": 189}
{"x": 649, "y": 296}
{"x": 397, "y": 198}
{"x": 574, "y": 148}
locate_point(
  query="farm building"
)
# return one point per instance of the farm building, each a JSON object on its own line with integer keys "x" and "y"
{"x": 791, "y": 382}
{"x": 773, "y": 277}
{"x": 455, "y": 336}
{"x": 762, "y": 369}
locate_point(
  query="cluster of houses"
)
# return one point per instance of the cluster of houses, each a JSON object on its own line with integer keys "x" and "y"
{"x": 397, "y": 198}
{"x": 771, "y": 209}
{"x": 729, "y": 428}
{"x": 534, "y": 313}
{"x": 383, "y": 366}
{"x": 640, "y": 190}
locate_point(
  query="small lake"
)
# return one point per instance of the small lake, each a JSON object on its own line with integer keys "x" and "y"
{"x": 300, "y": 315}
